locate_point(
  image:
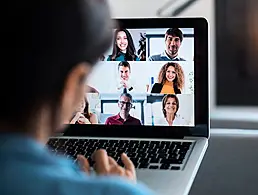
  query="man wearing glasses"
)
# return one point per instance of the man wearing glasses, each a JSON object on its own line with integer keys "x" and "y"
{"x": 123, "y": 117}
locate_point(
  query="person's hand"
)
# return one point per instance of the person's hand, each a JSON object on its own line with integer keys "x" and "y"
{"x": 125, "y": 84}
{"x": 75, "y": 118}
{"x": 83, "y": 120}
{"x": 106, "y": 165}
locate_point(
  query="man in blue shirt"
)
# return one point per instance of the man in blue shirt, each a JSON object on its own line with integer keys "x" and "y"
{"x": 173, "y": 40}
{"x": 48, "y": 49}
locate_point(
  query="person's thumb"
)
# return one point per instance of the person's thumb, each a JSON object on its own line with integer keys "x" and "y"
{"x": 83, "y": 163}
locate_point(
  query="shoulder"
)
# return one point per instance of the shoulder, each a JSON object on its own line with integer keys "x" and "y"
{"x": 110, "y": 118}
{"x": 161, "y": 121}
{"x": 109, "y": 58}
{"x": 156, "y": 88}
{"x": 136, "y": 119}
{"x": 137, "y": 58}
{"x": 181, "y": 59}
{"x": 154, "y": 57}
{"x": 157, "y": 85}
{"x": 180, "y": 120}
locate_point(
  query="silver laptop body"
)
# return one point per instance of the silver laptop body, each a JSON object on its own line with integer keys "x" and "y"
{"x": 176, "y": 179}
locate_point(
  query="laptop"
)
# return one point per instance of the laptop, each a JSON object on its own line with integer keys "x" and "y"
{"x": 148, "y": 96}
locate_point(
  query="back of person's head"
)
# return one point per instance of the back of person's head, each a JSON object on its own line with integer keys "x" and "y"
{"x": 43, "y": 43}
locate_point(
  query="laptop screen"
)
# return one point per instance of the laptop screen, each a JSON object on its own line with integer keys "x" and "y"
{"x": 145, "y": 78}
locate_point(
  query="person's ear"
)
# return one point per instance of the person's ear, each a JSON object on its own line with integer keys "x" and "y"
{"x": 74, "y": 90}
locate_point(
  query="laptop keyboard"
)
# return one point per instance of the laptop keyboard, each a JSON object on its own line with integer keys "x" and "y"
{"x": 144, "y": 154}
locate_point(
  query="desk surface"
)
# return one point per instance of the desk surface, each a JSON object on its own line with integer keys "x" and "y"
{"x": 230, "y": 164}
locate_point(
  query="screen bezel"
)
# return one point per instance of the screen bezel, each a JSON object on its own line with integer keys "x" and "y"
{"x": 201, "y": 86}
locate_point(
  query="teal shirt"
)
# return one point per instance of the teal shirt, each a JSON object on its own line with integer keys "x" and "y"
{"x": 27, "y": 168}
{"x": 121, "y": 58}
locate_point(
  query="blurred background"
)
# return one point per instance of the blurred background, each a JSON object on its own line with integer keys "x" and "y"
{"x": 230, "y": 164}
{"x": 233, "y": 51}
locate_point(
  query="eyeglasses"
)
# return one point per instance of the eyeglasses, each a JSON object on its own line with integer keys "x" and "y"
{"x": 125, "y": 103}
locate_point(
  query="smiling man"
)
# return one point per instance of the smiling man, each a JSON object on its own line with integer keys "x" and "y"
{"x": 173, "y": 41}
{"x": 124, "y": 117}
{"x": 124, "y": 83}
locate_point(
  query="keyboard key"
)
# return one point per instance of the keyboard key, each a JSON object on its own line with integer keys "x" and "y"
{"x": 112, "y": 154}
{"x": 144, "y": 160}
{"x": 165, "y": 166}
{"x": 175, "y": 168}
{"x": 134, "y": 160}
{"x": 151, "y": 155}
{"x": 103, "y": 141}
{"x": 163, "y": 155}
{"x": 141, "y": 150}
{"x": 163, "y": 151}
{"x": 155, "y": 160}
{"x": 131, "y": 154}
{"x": 71, "y": 153}
{"x": 81, "y": 153}
{"x": 178, "y": 143}
{"x": 187, "y": 143}
{"x": 71, "y": 148}
{"x": 169, "y": 161}
{"x": 143, "y": 165}
{"x": 154, "y": 167}
{"x": 145, "y": 142}
{"x": 121, "y": 150}
{"x": 143, "y": 155}
{"x": 61, "y": 148}
{"x": 135, "y": 141}
{"x": 113, "y": 141}
{"x": 79, "y": 144}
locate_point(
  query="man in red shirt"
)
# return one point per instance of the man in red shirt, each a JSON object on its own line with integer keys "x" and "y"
{"x": 123, "y": 117}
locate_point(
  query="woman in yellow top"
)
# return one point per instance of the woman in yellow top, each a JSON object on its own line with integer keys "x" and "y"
{"x": 171, "y": 79}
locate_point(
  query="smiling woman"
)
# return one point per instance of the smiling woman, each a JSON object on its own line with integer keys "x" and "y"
{"x": 170, "y": 107}
{"x": 123, "y": 47}
{"x": 171, "y": 79}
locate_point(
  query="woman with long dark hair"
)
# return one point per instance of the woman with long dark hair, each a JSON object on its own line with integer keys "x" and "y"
{"x": 123, "y": 47}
